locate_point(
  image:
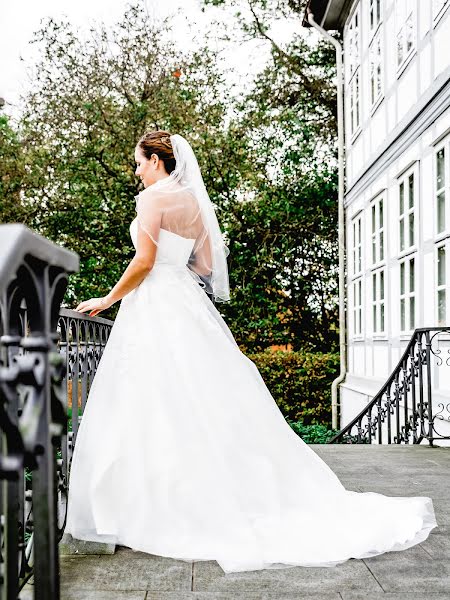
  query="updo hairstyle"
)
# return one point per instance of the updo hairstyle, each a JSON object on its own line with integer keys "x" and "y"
{"x": 158, "y": 142}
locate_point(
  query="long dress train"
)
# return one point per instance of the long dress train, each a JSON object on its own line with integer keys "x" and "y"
{"x": 183, "y": 452}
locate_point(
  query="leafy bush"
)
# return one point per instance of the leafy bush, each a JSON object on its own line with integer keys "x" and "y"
{"x": 300, "y": 382}
{"x": 313, "y": 434}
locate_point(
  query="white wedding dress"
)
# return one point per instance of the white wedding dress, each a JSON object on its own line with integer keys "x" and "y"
{"x": 183, "y": 452}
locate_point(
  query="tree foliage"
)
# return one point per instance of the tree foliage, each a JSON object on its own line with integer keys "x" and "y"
{"x": 91, "y": 101}
{"x": 285, "y": 239}
{"x": 266, "y": 157}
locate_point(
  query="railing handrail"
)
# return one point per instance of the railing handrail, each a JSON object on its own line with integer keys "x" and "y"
{"x": 390, "y": 380}
{"x": 73, "y": 314}
{"x": 17, "y": 241}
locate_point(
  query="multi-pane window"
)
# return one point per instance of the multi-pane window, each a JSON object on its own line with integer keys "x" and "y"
{"x": 353, "y": 71}
{"x": 355, "y": 102}
{"x": 404, "y": 19}
{"x": 357, "y": 245}
{"x": 442, "y": 222}
{"x": 438, "y": 6}
{"x": 377, "y": 230}
{"x": 357, "y": 307}
{"x": 374, "y": 14}
{"x": 406, "y": 208}
{"x": 441, "y": 189}
{"x": 353, "y": 40}
{"x": 376, "y": 64}
{"x": 378, "y": 294}
{"x": 408, "y": 294}
{"x": 441, "y": 289}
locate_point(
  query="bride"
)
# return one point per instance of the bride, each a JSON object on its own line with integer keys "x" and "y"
{"x": 182, "y": 451}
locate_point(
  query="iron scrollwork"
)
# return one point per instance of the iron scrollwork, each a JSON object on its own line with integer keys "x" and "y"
{"x": 405, "y": 410}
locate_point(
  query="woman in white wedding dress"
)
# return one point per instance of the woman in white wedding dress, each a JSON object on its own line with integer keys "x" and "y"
{"x": 182, "y": 451}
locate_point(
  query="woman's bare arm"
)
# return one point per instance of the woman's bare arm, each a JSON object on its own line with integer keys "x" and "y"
{"x": 139, "y": 267}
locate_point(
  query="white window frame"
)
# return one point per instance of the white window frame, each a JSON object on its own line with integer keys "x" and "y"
{"x": 357, "y": 304}
{"x": 377, "y": 230}
{"x": 439, "y": 6}
{"x": 378, "y": 283}
{"x": 407, "y": 211}
{"x": 353, "y": 60}
{"x": 408, "y": 293}
{"x": 355, "y": 104}
{"x": 442, "y": 278}
{"x": 442, "y": 188}
{"x": 376, "y": 68}
{"x": 375, "y": 15}
{"x": 356, "y": 249}
{"x": 405, "y": 28}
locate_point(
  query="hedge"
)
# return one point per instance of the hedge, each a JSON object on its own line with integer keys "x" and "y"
{"x": 300, "y": 382}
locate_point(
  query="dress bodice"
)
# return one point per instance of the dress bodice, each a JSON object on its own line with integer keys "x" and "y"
{"x": 172, "y": 248}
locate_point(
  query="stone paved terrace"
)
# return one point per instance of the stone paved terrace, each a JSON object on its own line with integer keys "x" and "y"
{"x": 419, "y": 573}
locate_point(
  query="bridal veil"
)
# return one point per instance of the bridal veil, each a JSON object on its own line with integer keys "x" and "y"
{"x": 180, "y": 204}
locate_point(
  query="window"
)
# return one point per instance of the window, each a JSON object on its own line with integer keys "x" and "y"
{"x": 356, "y": 245}
{"x": 357, "y": 307}
{"x": 376, "y": 63}
{"x": 377, "y": 221}
{"x": 408, "y": 294}
{"x": 378, "y": 301}
{"x": 353, "y": 70}
{"x": 353, "y": 39}
{"x": 442, "y": 223}
{"x": 441, "y": 286}
{"x": 406, "y": 208}
{"x": 355, "y": 103}
{"x": 374, "y": 14}
{"x": 441, "y": 189}
{"x": 404, "y": 18}
{"x": 438, "y": 7}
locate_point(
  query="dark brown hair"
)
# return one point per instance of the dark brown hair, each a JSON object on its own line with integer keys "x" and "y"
{"x": 158, "y": 142}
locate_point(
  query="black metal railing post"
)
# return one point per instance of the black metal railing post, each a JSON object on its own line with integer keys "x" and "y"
{"x": 33, "y": 270}
{"x": 43, "y": 348}
{"x": 429, "y": 391}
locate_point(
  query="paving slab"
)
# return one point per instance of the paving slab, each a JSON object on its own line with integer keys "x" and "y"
{"x": 69, "y": 545}
{"x": 123, "y": 571}
{"x": 394, "y": 596}
{"x": 410, "y": 570}
{"x": 353, "y": 574}
{"x": 75, "y": 594}
{"x": 241, "y": 596}
{"x": 437, "y": 544}
{"x": 442, "y": 511}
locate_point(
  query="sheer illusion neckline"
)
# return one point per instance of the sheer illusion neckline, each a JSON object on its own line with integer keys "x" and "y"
{"x": 173, "y": 233}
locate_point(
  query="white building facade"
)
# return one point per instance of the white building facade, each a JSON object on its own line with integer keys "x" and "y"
{"x": 397, "y": 198}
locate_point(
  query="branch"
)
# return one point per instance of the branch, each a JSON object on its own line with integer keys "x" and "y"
{"x": 309, "y": 86}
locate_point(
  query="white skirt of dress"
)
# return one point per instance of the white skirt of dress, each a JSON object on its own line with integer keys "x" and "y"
{"x": 183, "y": 452}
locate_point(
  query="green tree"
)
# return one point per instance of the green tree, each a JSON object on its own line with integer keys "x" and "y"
{"x": 12, "y": 173}
{"x": 265, "y": 161}
{"x": 91, "y": 101}
{"x": 285, "y": 240}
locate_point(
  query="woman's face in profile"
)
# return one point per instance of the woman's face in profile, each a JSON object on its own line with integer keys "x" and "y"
{"x": 146, "y": 167}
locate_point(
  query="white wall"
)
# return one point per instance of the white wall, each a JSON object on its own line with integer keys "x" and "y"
{"x": 402, "y": 86}
{"x": 372, "y": 356}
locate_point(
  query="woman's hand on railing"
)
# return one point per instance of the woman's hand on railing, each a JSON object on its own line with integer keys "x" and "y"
{"x": 95, "y": 305}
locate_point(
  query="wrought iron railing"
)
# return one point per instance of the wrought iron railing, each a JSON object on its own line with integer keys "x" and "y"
{"x": 45, "y": 354}
{"x": 403, "y": 410}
